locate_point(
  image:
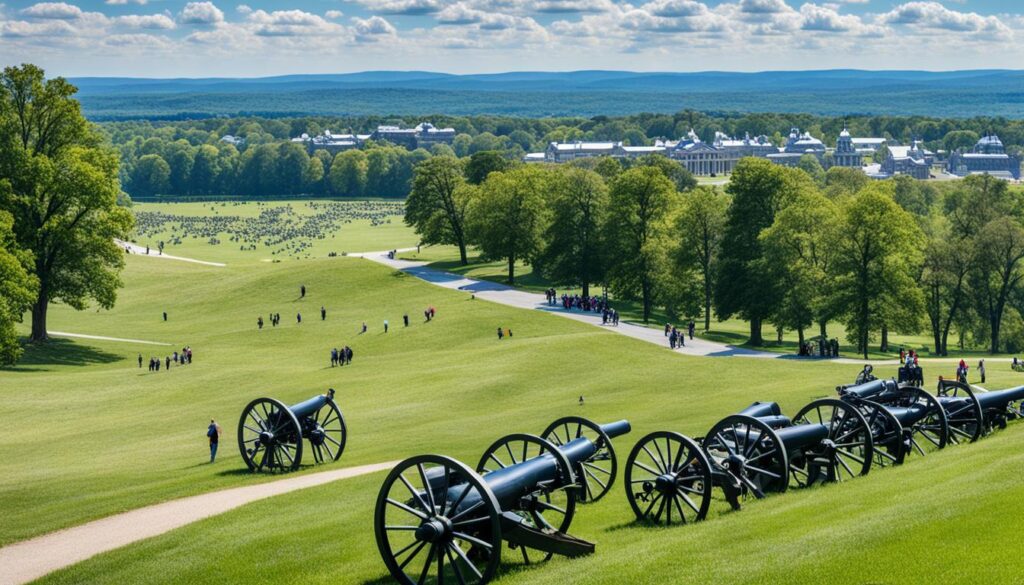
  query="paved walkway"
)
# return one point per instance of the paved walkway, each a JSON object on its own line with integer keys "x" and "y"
{"x": 102, "y": 338}
{"x": 506, "y": 295}
{"x": 28, "y": 560}
{"x": 142, "y": 251}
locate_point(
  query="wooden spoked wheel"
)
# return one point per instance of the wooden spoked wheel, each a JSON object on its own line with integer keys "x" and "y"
{"x": 747, "y": 457}
{"x": 436, "y": 521}
{"x": 846, "y": 453}
{"x": 596, "y": 475}
{"x": 269, "y": 437}
{"x": 668, "y": 479}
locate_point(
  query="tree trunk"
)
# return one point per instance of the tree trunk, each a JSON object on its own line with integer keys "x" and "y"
{"x": 994, "y": 324}
{"x": 884, "y": 345}
{"x": 755, "y": 332}
{"x": 823, "y": 329}
{"x": 707, "y": 303}
{"x": 800, "y": 335}
{"x": 39, "y": 319}
{"x": 586, "y": 289}
{"x": 945, "y": 340}
{"x": 462, "y": 253}
{"x": 512, "y": 269}
{"x": 645, "y": 287}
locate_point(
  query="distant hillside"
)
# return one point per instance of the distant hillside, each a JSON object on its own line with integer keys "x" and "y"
{"x": 586, "y": 93}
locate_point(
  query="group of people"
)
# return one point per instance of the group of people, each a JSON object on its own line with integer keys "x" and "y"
{"x": 676, "y": 337}
{"x": 503, "y": 332}
{"x": 275, "y": 318}
{"x": 181, "y": 358}
{"x": 340, "y": 357}
{"x": 962, "y": 370}
{"x": 586, "y": 304}
{"x": 827, "y": 348}
{"x": 911, "y": 371}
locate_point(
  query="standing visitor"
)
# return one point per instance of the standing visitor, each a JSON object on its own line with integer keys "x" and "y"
{"x": 259, "y": 322}
{"x": 981, "y": 370}
{"x": 323, "y": 313}
{"x": 691, "y": 327}
{"x": 168, "y": 363}
{"x": 302, "y": 291}
{"x": 165, "y": 315}
{"x": 385, "y": 325}
{"x": 405, "y": 319}
{"x": 140, "y": 361}
{"x": 672, "y": 340}
{"x": 668, "y": 329}
{"x": 298, "y": 318}
{"x": 364, "y": 327}
{"x": 501, "y": 334}
{"x": 213, "y": 432}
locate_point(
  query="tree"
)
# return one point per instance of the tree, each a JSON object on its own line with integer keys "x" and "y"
{"x": 63, "y": 191}
{"x": 675, "y": 171}
{"x": 699, "y": 225}
{"x": 812, "y": 166}
{"x": 151, "y": 176}
{"x": 508, "y": 215}
{"x": 204, "y": 170}
{"x": 436, "y": 207}
{"x": 797, "y": 255}
{"x": 17, "y": 290}
{"x": 742, "y": 287}
{"x": 841, "y": 181}
{"x": 947, "y": 263}
{"x": 877, "y": 256}
{"x": 481, "y": 164}
{"x": 1000, "y": 251}
{"x": 348, "y": 173}
{"x": 572, "y": 253}
{"x": 641, "y": 200}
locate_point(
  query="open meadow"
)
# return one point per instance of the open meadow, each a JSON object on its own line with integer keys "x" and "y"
{"x": 91, "y": 433}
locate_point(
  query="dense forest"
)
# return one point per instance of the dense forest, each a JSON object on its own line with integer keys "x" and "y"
{"x": 189, "y": 158}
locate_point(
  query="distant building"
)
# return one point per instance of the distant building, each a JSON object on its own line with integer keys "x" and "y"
{"x": 232, "y": 140}
{"x": 719, "y": 157}
{"x": 796, "y": 147}
{"x": 424, "y": 135}
{"x": 988, "y": 157}
{"x": 846, "y": 154}
{"x": 913, "y": 161}
{"x": 560, "y": 152}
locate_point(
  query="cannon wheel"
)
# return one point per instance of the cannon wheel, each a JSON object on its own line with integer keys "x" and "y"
{"x": 331, "y": 442}
{"x": 886, "y": 433}
{"x": 748, "y": 457}
{"x": 932, "y": 432}
{"x": 667, "y": 471}
{"x": 601, "y": 468}
{"x": 269, "y": 436}
{"x": 460, "y": 545}
{"x": 966, "y": 423}
{"x": 851, "y": 451}
{"x": 550, "y": 507}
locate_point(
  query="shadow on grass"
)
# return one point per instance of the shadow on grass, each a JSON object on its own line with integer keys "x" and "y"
{"x": 504, "y": 569}
{"x": 61, "y": 352}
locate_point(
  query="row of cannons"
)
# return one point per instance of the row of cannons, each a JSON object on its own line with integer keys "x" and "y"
{"x": 439, "y": 520}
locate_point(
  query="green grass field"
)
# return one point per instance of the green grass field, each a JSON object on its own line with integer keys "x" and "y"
{"x": 89, "y": 434}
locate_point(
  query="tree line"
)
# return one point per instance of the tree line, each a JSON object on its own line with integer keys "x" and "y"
{"x": 777, "y": 247}
{"x": 183, "y": 158}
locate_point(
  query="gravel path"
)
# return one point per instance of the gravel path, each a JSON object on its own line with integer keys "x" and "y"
{"x": 141, "y": 250}
{"x": 28, "y": 560}
{"x": 103, "y": 338}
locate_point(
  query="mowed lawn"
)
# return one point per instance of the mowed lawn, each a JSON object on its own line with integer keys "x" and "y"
{"x": 89, "y": 433}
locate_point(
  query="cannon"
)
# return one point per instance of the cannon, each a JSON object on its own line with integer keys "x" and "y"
{"x": 270, "y": 434}
{"x": 973, "y": 414}
{"x": 597, "y": 473}
{"x": 904, "y": 419}
{"x": 438, "y": 520}
{"x": 752, "y": 453}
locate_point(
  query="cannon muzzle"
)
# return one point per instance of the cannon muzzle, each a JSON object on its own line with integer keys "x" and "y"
{"x": 1000, "y": 399}
{"x": 869, "y": 390}
{"x": 616, "y": 429}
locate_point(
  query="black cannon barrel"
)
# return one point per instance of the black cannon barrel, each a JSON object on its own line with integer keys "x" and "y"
{"x": 308, "y": 407}
{"x": 910, "y": 415}
{"x": 511, "y": 483}
{"x": 802, "y": 436}
{"x": 1000, "y": 399}
{"x": 762, "y": 410}
{"x": 870, "y": 389}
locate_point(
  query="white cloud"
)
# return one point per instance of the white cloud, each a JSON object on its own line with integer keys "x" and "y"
{"x": 54, "y": 10}
{"x": 201, "y": 13}
{"x": 147, "y": 21}
{"x": 368, "y": 30}
{"x": 334, "y": 14}
{"x": 403, "y": 6}
{"x": 291, "y": 23}
{"x": 932, "y": 15}
{"x": 123, "y": 2}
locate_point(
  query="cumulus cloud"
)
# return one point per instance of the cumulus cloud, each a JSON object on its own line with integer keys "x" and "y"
{"x": 290, "y": 23}
{"x": 403, "y": 6}
{"x": 334, "y": 14}
{"x": 932, "y": 15}
{"x": 54, "y": 10}
{"x": 372, "y": 29}
{"x": 123, "y": 2}
{"x": 147, "y": 21}
{"x": 200, "y": 13}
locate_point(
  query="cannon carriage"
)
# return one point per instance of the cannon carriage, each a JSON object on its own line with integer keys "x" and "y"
{"x": 670, "y": 477}
{"x": 438, "y": 520}
{"x": 904, "y": 419}
{"x": 271, "y": 434}
{"x": 973, "y": 414}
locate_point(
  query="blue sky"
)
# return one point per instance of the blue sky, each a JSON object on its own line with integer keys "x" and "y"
{"x": 167, "y": 38}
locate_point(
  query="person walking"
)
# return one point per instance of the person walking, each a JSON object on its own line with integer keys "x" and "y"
{"x": 385, "y": 325}
{"x": 364, "y": 327}
{"x": 165, "y": 315}
{"x": 668, "y": 329}
{"x": 981, "y": 370}
{"x": 213, "y": 432}
{"x": 298, "y": 318}
{"x": 672, "y": 340}
{"x": 259, "y": 322}
{"x": 140, "y": 361}
{"x": 168, "y": 363}
{"x": 348, "y": 355}
{"x": 405, "y": 319}
{"x": 691, "y": 328}
{"x": 302, "y": 291}
{"x": 323, "y": 313}
{"x": 501, "y": 333}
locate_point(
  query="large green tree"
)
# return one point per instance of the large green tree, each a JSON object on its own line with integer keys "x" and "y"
{"x": 699, "y": 227}
{"x": 509, "y": 214}
{"x": 743, "y": 287}
{"x": 573, "y": 252}
{"x": 63, "y": 190}
{"x": 436, "y": 207}
{"x": 636, "y": 227}
{"x": 348, "y": 173}
{"x": 877, "y": 260}
{"x": 481, "y": 164}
